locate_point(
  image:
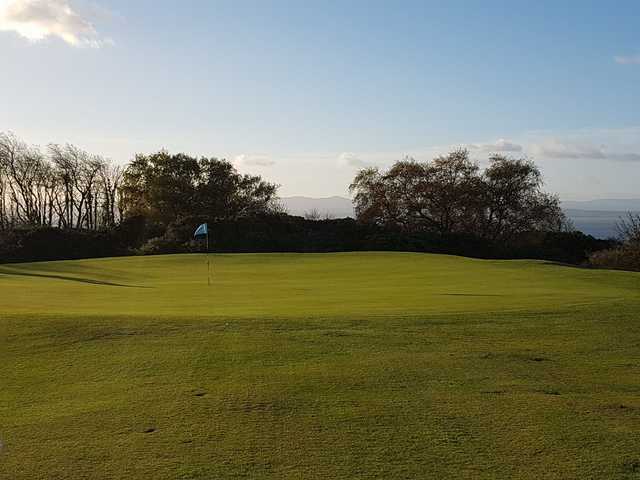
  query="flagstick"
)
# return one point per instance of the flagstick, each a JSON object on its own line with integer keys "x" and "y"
{"x": 208, "y": 261}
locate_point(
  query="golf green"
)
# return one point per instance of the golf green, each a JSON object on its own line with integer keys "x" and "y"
{"x": 351, "y": 365}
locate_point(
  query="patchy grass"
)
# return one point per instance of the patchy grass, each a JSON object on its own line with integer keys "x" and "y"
{"x": 318, "y": 366}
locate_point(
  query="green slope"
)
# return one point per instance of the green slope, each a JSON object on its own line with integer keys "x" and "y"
{"x": 318, "y": 366}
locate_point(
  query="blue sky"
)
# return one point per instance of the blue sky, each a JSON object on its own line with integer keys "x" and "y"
{"x": 305, "y": 93}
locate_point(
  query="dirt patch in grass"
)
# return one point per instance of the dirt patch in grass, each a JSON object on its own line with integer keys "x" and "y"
{"x": 631, "y": 466}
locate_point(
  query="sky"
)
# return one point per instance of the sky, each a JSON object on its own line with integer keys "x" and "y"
{"x": 305, "y": 93}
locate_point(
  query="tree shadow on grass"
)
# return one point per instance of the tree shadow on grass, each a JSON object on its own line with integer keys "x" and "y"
{"x": 91, "y": 281}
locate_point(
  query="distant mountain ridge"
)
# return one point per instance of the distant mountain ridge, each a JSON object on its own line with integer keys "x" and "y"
{"x": 593, "y": 217}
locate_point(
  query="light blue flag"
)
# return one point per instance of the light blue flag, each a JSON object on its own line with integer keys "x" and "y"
{"x": 201, "y": 231}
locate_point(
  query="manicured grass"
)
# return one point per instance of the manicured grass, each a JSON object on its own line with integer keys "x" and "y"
{"x": 375, "y": 365}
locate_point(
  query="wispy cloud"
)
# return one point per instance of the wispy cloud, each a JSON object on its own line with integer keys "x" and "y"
{"x": 37, "y": 20}
{"x": 499, "y": 146}
{"x": 625, "y": 157}
{"x": 628, "y": 59}
{"x": 479, "y": 152}
{"x": 559, "y": 149}
{"x": 616, "y": 145}
{"x": 580, "y": 150}
{"x": 251, "y": 160}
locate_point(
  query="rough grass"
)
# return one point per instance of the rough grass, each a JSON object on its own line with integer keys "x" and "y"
{"x": 318, "y": 366}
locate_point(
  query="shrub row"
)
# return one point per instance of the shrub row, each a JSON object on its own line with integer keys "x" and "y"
{"x": 625, "y": 257}
{"x": 281, "y": 233}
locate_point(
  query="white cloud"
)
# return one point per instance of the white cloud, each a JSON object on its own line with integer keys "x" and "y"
{"x": 36, "y": 20}
{"x": 348, "y": 159}
{"x": 628, "y": 60}
{"x": 249, "y": 160}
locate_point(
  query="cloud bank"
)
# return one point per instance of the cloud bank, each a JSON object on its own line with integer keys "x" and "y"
{"x": 37, "y": 20}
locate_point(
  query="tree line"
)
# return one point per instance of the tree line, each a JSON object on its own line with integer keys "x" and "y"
{"x": 63, "y": 202}
{"x": 61, "y": 186}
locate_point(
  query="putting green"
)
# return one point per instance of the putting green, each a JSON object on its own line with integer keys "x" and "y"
{"x": 359, "y": 365}
{"x": 298, "y": 285}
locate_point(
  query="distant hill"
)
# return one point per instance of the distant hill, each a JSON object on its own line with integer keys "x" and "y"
{"x": 600, "y": 224}
{"x": 599, "y": 217}
{"x": 594, "y": 217}
{"x": 335, "y": 207}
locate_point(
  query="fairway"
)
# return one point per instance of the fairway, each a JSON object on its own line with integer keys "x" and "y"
{"x": 350, "y": 365}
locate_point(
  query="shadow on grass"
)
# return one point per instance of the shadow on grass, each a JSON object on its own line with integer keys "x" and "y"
{"x": 16, "y": 272}
{"x": 471, "y": 295}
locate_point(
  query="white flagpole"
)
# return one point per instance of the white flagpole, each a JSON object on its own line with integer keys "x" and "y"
{"x": 208, "y": 260}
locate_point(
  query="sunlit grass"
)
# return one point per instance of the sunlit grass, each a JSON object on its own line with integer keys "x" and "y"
{"x": 318, "y": 366}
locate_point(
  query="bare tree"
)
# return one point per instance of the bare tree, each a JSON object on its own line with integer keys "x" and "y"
{"x": 313, "y": 215}
{"x": 68, "y": 188}
{"x": 629, "y": 229}
{"x": 24, "y": 170}
{"x": 81, "y": 175}
{"x": 627, "y": 255}
{"x": 4, "y": 217}
{"x": 110, "y": 178}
